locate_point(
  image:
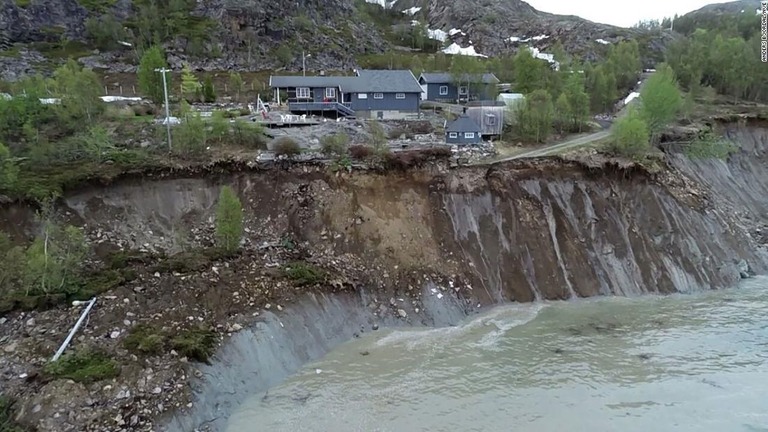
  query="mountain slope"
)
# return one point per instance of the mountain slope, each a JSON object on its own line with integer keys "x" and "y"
{"x": 732, "y": 7}
{"x": 501, "y": 26}
{"x": 256, "y": 34}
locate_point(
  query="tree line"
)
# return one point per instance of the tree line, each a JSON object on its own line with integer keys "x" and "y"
{"x": 722, "y": 60}
{"x": 563, "y": 99}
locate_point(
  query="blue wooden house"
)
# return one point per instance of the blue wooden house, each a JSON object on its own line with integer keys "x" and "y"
{"x": 443, "y": 87}
{"x": 463, "y": 130}
{"x": 379, "y": 94}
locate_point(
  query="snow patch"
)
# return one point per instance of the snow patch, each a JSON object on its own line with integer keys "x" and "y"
{"x": 602, "y": 41}
{"x": 454, "y": 31}
{"x": 437, "y": 35}
{"x": 516, "y": 39}
{"x": 550, "y": 58}
{"x": 456, "y": 49}
{"x": 412, "y": 11}
{"x": 124, "y": 43}
{"x": 383, "y": 3}
{"x": 632, "y": 96}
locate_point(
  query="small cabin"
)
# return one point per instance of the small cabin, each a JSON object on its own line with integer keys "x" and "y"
{"x": 463, "y": 130}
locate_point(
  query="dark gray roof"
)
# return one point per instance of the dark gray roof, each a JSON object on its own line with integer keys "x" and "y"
{"x": 463, "y": 124}
{"x": 384, "y": 81}
{"x": 446, "y": 77}
{"x": 307, "y": 81}
{"x": 367, "y": 81}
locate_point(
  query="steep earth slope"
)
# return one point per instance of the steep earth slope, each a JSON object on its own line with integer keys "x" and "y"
{"x": 396, "y": 243}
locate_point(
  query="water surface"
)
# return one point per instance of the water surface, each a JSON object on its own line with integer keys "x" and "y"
{"x": 693, "y": 363}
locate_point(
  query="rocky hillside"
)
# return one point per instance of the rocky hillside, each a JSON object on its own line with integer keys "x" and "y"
{"x": 732, "y": 7}
{"x": 498, "y": 26}
{"x": 257, "y": 35}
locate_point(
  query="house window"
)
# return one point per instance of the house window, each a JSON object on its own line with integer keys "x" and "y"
{"x": 453, "y": 135}
{"x": 463, "y": 90}
{"x": 362, "y": 95}
{"x": 443, "y": 90}
{"x": 469, "y": 135}
{"x": 330, "y": 93}
{"x": 378, "y": 95}
{"x": 399, "y": 95}
{"x": 302, "y": 93}
{"x": 490, "y": 119}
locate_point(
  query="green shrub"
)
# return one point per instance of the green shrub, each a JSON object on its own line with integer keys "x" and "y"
{"x": 630, "y": 136}
{"x": 360, "y": 152}
{"x": 709, "y": 146}
{"x": 190, "y": 261}
{"x": 335, "y": 145}
{"x": 229, "y": 220}
{"x": 196, "y": 344}
{"x": 145, "y": 339}
{"x": 286, "y": 146}
{"x": 84, "y": 366}
{"x": 303, "y": 273}
{"x": 7, "y": 414}
{"x": 248, "y": 134}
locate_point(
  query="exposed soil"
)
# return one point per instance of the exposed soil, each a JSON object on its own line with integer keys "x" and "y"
{"x": 579, "y": 222}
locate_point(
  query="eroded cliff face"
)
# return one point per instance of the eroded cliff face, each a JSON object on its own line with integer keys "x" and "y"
{"x": 520, "y": 232}
{"x": 423, "y": 247}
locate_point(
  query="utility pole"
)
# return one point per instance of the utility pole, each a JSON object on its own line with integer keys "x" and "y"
{"x": 304, "y": 62}
{"x": 167, "y": 109}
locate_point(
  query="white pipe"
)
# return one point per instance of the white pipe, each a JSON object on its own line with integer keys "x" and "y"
{"x": 74, "y": 329}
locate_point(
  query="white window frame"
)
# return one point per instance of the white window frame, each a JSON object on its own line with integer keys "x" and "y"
{"x": 399, "y": 95}
{"x": 362, "y": 95}
{"x": 453, "y": 135}
{"x": 463, "y": 90}
{"x": 330, "y": 92}
{"x": 443, "y": 90}
{"x": 378, "y": 95}
{"x": 469, "y": 135}
{"x": 303, "y": 93}
{"x": 490, "y": 120}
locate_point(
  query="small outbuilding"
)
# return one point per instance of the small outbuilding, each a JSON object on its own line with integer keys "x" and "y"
{"x": 463, "y": 130}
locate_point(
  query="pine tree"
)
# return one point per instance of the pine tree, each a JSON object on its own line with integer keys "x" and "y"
{"x": 8, "y": 169}
{"x": 190, "y": 85}
{"x": 209, "y": 93}
{"x": 563, "y": 114}
{"x": 151, "y": 81}
{"x": 236, "y": 84}
{"x": 229, "y": 220}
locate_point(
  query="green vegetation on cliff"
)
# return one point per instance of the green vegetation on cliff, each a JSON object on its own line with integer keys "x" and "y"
{"x": 229, "y": 220}
{"x": 57, "y": 133}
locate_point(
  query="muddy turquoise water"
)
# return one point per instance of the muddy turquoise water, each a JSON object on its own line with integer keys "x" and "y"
{"x": 694, "y": 363}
